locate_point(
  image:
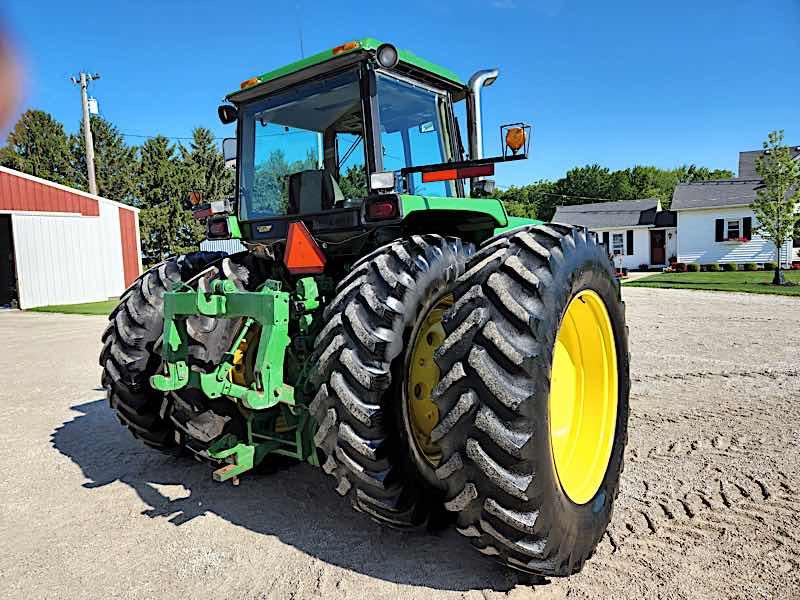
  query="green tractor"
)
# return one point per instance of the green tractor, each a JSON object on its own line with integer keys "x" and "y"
{"x": 440, "y": 360}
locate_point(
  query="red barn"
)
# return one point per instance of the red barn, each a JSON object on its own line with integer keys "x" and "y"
{"x": 59, "y": 245}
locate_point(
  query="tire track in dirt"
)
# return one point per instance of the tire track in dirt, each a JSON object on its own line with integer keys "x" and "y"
{"x": 745, "y": 497}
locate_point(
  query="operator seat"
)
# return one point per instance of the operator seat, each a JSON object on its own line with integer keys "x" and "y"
{"x": 313, "y": 191}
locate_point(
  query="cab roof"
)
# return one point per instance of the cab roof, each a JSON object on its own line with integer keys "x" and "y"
{"x": 408, "y": 62}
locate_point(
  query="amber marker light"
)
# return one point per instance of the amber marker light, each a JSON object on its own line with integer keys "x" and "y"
{"x": 515, "y": 138}
{"x": 249, "y": 83}
{"x": 344, "y": 48}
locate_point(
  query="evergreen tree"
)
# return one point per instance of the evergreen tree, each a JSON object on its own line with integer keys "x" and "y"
{"x": 166, "y": 226}
{"x": 204, "y": 167}
{"x": 38, "y": 146}
{"x": 114, "y": 161}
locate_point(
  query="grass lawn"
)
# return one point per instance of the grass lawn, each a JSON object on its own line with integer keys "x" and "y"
{"x": 753, "y": 282}
{"x": 89, "y": 308}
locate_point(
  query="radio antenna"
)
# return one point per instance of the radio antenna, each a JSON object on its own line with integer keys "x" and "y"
{"x": 299, "y": 28}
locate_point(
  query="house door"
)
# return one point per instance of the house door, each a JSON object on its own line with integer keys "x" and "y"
{"x": 657, "y": 247}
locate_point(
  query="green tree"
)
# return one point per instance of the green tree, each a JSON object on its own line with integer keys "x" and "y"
{"x": 204, "y": 167}
{"x": 168, "y": 229}
{"x": 778, "y": 201}
{"x": 527, "y": 200}
{"x": 593, "y": 183}
{"x": 271, "y": 181}
{"x": 38, "y": 146}
{"x": 166, "y": 225}
{"x": 114, "y": 161}
{"x": 692, "y": 173}
{"x": 354, "y": 182}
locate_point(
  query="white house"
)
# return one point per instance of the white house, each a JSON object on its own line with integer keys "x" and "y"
{"x": 636, "y": 232}
{"x": 717, "y": 225}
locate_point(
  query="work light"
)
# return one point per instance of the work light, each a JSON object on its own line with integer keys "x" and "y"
{"x": 387, "y": 56}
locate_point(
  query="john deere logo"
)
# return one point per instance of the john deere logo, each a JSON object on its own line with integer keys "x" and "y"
{"x": 264, "y": 228}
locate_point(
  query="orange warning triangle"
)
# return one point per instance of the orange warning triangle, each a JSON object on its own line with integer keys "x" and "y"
{"x": 302, "y": 254}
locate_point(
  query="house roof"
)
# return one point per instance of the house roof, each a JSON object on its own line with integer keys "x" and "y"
{"x": 747, "y": 162}
{"x": 625, "y": 213}
{"x": 720, "y": 192}
{"x": 666, "y": 218}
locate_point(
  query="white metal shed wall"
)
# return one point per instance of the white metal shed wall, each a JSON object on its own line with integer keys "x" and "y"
{"x": 59, "y": 259}
{"x": 68, "y": 259}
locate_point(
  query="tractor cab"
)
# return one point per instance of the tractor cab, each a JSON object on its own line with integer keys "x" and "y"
{"x": 353, "y": 138}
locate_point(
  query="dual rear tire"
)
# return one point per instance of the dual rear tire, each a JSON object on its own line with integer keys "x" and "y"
{"x": 518, "y": 427}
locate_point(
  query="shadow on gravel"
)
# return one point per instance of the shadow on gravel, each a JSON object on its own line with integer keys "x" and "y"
{"x": 298, "y": 505}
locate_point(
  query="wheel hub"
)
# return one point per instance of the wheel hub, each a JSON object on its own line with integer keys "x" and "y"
{"x": 422, "y": 377}
{"x": 583, "y": 397}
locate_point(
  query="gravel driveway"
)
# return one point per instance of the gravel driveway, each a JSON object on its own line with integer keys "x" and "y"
{"x": 709, "y": 506}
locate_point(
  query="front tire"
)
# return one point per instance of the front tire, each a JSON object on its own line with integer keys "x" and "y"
{"x": 531, "y": 298}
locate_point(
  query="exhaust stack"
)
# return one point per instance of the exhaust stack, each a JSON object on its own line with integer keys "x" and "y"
{"x": 479, "y": 80}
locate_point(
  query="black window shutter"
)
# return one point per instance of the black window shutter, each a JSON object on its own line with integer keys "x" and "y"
{"x": 605, "y": 240}
{"x": 630, "y": 240}
{"x": 720, "y": 237}
{"x": 747, "y": 226}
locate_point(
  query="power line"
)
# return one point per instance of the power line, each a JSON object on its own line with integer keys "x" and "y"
{"x": 190, "y": 138}
{"x": 169, "y": 137}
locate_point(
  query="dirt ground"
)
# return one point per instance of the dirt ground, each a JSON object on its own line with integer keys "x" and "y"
{"x": 708, "y": 509}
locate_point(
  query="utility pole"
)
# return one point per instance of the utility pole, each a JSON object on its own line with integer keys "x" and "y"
{"x": 83, "y": 80}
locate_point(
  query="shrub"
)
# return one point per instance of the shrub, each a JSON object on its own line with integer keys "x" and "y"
{"x": 693, "y": 267}
{"x": 644, "y": 267}
{"x": 714, "y": 267}
{"x": 728, "y": 266}
{"x": 769, "y": 266}
{"x": 679, "y": 267}
{"x": 673, "y": 260}
{"x": 750, "y": 267}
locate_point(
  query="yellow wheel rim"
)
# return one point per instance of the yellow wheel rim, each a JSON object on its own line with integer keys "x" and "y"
{"x": 583, "y": 397}
{"x": 422, "y": 376}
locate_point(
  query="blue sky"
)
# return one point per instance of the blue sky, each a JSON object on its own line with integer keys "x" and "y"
{"x": 616, "y": 83}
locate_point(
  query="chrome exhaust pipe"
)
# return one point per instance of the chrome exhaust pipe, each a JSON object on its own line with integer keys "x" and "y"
{"x": 480, "y": 79}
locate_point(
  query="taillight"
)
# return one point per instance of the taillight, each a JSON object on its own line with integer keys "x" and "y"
{"x": 383, "y": 208}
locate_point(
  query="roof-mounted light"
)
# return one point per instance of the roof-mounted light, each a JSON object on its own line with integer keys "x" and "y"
{"x": 387, "y": 56}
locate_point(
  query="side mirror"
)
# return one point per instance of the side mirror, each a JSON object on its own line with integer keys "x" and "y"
{"x": 227, "y": 114}
{"x": 229, "y": 152}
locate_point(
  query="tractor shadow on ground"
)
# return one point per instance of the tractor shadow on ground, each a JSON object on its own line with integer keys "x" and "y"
{"x": 298, "y": 505}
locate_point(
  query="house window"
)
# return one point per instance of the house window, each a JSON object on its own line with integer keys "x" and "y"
{"x": 734, "y": 229}
{"x": 617, "y": 244}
